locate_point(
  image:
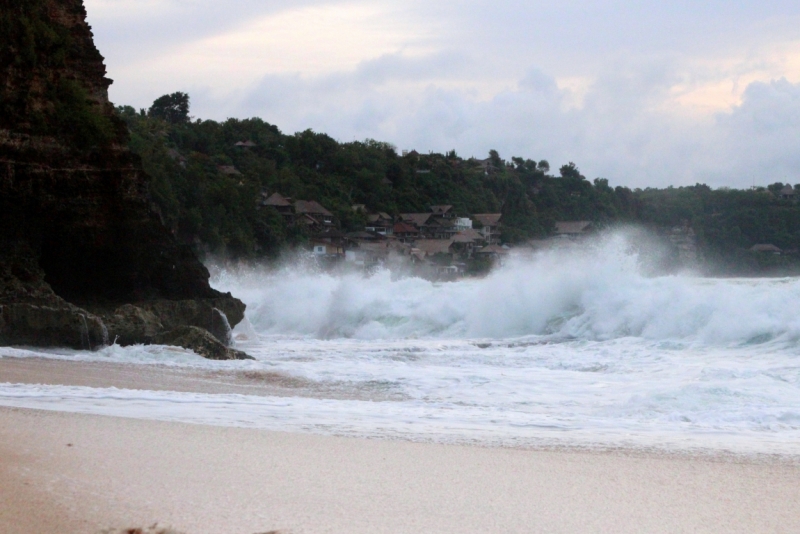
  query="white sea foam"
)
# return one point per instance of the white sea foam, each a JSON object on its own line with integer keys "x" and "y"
{"x": 597, "y": 293}
{"x": 568, "y": 345}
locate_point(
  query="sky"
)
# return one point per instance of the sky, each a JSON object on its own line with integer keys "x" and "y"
{"x": 645, "y": 93}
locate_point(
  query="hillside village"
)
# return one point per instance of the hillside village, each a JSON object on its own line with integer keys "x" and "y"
{"x": 242, "y": 189}
{"x": 439, "y": 243}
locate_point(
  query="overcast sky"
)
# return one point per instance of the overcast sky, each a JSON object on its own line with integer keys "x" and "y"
{"x": 644, "y": 93}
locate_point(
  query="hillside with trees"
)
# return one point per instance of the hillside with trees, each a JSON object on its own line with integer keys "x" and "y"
{"x": 208, "y": 177}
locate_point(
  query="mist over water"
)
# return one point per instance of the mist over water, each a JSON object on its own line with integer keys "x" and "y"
{"x": 597, "y": 292}
{"x": 570, "y": 346}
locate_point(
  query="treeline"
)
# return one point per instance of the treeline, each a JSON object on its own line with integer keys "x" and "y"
{"x": 207, "y": 189}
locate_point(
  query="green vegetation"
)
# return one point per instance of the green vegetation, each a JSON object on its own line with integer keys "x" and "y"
{"x": 35, "y": 91}
{"x": 216, "y": 211}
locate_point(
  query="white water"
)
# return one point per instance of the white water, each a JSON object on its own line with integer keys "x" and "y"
{"x": 569, "y": 347}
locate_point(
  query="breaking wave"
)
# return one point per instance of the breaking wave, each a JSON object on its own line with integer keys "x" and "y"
{"x": 597, "y": 292}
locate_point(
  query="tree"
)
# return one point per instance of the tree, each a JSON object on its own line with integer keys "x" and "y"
{"x": 570, "y": 170}
{"x": 494, "y": 157}
{"x": 544, "y": 166}
{"x": 172, "y": 108}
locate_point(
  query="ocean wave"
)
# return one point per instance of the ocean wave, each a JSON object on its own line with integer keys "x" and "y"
{"x": 595, "y": 292}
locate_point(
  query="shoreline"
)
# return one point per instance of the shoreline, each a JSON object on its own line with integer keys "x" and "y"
{"x": 108, "y": 472}
{"x": 257, "y": 383}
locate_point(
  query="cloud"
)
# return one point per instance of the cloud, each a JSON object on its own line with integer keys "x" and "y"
{"x": 643, "y": 93}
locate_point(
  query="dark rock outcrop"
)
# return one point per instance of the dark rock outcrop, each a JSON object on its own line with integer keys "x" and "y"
{"x": 200, "y": 341}
{"x": 82, "y": 249}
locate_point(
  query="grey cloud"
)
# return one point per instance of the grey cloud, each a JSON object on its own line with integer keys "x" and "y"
{"x": 397, "y": 67}
{"x": 617, "y": 134}
{"x": 635, "y": 51}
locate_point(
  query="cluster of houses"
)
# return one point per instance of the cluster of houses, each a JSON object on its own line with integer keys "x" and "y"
{"x": 439, "y": 242}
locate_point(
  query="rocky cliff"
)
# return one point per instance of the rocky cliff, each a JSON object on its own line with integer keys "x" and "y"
{"x": 84, "y": 257}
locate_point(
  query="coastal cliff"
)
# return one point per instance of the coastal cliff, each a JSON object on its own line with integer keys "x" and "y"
{"x": 84, "y": 256}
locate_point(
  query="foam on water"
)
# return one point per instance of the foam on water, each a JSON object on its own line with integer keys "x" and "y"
{"x": 595, "y": 294}
{"x": 572, "y": 346}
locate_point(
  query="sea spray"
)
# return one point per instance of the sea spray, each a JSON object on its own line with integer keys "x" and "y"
{"x": 593, "y": 292}
{"x": 220, "y": 324}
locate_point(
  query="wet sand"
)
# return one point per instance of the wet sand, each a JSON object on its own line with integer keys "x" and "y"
{"x": 71, "y": 473}
{"x": 32, "y": 370}
{"x": 66, "y": 473}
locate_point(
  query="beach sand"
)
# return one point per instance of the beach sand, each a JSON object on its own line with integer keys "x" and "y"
{"x": 68, "y": 473}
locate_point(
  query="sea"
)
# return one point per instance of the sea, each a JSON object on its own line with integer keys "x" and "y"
{"x": 576, "y": 347}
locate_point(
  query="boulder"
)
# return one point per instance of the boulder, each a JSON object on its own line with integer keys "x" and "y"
{"x": 63, "y": 326}
{"x": 217, "y": 315}
{"x": 201, "y": 341}
{"x": 129, "y": 325}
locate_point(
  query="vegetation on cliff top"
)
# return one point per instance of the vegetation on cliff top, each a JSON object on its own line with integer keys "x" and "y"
{"x": 215, "y": 211}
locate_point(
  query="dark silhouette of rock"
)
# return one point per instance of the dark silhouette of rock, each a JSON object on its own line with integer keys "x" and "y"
{"x": 201, "y": 341}
{"x": 79, "y": 236}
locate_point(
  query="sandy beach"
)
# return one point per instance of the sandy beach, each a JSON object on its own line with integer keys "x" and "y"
{"x": 78, "y": 473}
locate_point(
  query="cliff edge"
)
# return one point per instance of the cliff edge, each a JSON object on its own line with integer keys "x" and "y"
{"x": 84, "y": 257}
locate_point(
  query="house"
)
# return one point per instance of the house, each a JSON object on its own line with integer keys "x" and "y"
{"x": 766, "y": 248}
{"x": 491, "y": 224}
{"x": 228, "y": 170}
{"x": 434, "y": 247}
{"x": 447, "y": 272}
{"x": 245, "y": 144}
{"x": 463, "y": 223}
{"x": 484, "y": 165}
{"x": 359, "y": 208}
{"x": 443, "y": 211}
{"x": 464, "y": 242}
{"x": 405, "y": 232}
{"x": 420, "y": 220}
{"x": 313, "y": 209}
{"x": 281, "y": 204}
{"x": 373, "y": 254}
{"x": 492, "y": 251}
{"x": 573, "y": 229}
{"x": 364, "y": 236}
{"x": 442, "y": 229}
{"x": 380, "y": 222}
{"x": 333, "y": 236}
{"x": 330, "y": 250}
{"x": 787, "y": 193}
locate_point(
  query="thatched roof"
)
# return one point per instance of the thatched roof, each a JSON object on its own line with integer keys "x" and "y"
{"x": 277, "y": 200}
{"x": 488, "y": 219}
{"x": 433, "y": 246}
{"x": 417, "y": 219}
{"x": 227, "y": 169}
{"x": 311, "y": 206}
{"x": 441, "y": 210}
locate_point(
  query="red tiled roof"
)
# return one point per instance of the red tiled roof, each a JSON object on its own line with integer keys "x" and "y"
{"x": 404, "y": 228}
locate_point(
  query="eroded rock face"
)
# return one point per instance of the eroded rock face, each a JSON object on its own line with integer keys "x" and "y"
{"x": 77, "y": 229}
